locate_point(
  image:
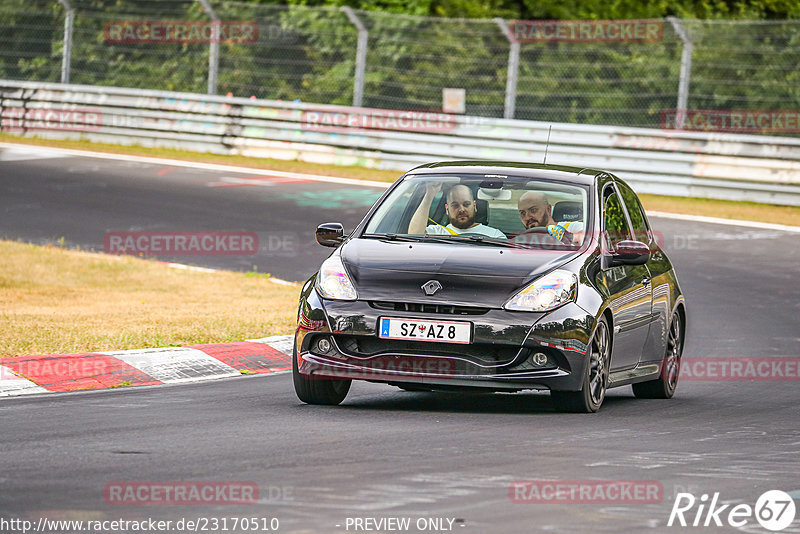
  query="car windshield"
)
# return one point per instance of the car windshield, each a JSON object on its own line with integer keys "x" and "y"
{"x": 491, "y": 210}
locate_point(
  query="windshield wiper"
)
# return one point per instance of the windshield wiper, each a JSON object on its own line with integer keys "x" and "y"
{"x": 487, "y": 240}
{"x": 394, "y": 237}
{"x": 440, "y": 238}
{"x": 458, "y": 238}
{"x": 409, "y": 237}
{"x": 416, "y": 238}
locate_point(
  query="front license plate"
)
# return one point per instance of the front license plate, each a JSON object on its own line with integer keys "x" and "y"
{"x": 420, "y": 330}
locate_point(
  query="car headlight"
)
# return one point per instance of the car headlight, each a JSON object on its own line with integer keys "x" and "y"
{"x": 333, "y": 282}
{"x": 546, "y": 293}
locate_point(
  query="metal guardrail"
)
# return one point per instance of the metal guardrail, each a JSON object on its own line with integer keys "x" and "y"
{"x": 667, "y": 162}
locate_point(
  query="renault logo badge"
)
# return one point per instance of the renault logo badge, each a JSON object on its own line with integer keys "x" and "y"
{"x": 431, "y": 286}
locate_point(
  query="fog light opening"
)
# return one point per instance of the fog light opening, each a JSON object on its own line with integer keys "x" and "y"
{"x": 539, "y": 359}
{"x": 323, "y": 345}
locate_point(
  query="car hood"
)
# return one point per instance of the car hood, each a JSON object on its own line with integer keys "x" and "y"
{"x": 470, "y": 275}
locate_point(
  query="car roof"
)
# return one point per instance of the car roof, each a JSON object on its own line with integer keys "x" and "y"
{"x": 578, "y": 175}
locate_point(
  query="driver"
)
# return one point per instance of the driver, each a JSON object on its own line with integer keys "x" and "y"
{"x": 536, "y": 212}
{"x": 460, "y": 210}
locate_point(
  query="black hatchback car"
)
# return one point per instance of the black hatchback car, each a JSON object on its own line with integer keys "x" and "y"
{"x": 499, "y": 276}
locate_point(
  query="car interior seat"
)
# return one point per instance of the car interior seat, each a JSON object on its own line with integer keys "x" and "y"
{"x": 567, "y": 211}
{"x": 481, "y": 211}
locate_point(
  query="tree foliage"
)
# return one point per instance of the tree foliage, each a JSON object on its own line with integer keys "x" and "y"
{"x": 306, "y": 51}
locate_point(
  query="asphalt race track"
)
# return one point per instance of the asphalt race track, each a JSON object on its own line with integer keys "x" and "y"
{"x": 83, "y": 199}
{"x": 385, "y": 453}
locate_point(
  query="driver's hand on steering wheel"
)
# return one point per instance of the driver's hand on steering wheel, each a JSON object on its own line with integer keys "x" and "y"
{"x": 559, "y": 233}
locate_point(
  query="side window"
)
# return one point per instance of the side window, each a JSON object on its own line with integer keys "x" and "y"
{"x": 391, "y": 217}
{"x": 614, "y": 223}
{"x": 635, "y": 212}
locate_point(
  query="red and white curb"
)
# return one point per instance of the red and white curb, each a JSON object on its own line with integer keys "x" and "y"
{"x": 28, "y": 375}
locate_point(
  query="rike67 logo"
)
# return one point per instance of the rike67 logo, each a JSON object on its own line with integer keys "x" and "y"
{"x": 774, "y": 510}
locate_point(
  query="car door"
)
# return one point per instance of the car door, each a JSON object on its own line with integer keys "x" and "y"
{"x": 660, "y": 268}
{"x": 628, "y": 286}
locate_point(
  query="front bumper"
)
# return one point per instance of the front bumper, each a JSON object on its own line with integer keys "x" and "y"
{"x": 505, "y": 353}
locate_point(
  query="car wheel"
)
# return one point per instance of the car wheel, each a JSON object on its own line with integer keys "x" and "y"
{"x": 664, "y": 386}
{"x": 595, "y": 376}
{"x": 317, "y": 390}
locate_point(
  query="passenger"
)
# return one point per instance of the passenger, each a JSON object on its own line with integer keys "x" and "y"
{"x": 536, "y": 212}
{"x": 460, "y": 210}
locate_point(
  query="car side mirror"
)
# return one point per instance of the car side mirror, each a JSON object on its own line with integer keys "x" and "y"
{"x": 330, "y": 234}
{"x": 629, "y": 253}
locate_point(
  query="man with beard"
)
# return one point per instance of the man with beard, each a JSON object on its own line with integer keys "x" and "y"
{"x": 536, "y": 212}
{"x": 460, "y": 210}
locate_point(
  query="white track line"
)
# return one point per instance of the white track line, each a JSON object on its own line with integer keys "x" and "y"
{"x": 727, "y": 222}
{"x": 192, "y": 268}
{"x": 198, "y": 165}
{"x": 23, "y": 153}
{"x": 195, "y": 268}
{"x": 350, "y": 181}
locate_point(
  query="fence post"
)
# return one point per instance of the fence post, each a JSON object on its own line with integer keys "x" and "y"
{"x": 361, "y": 55}
{"x": 66, "y": 58}
{"x": 513, "y": 70}
{"x": 213, "y": 51}
{"x": 686, "y": 71}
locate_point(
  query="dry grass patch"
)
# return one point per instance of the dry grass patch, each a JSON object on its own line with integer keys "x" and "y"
{"x": 55, "y": 301}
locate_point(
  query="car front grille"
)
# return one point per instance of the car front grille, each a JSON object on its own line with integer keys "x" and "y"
{"x": 480, "y": 354}
{"x": 445, "y": 309}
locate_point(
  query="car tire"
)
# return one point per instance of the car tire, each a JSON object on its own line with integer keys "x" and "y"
{"x": 664, "y": 386}
{"x": 595, "y": 376}
{"x": 317, "y": 390}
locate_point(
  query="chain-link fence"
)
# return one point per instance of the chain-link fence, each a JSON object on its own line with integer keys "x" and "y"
{"x": 561, "y": 72}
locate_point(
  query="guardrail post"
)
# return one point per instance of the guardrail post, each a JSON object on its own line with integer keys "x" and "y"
{"x": 213, "y": 51}
{"x": 361, "y": 55}
{"x": 686, "y": 70}
{"x": 513, "y": 70}
{"x": 66, "y": 57}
